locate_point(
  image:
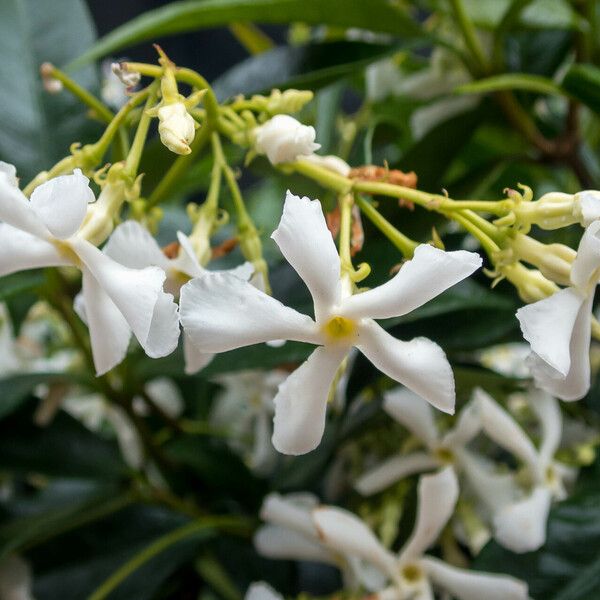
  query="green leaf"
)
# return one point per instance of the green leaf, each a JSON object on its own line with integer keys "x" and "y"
{"x": 193, "y": 15}
{"x": 15, "y": 389}
{"x": 310, "y": 66}
{"x": 37, "y": 128}
{"x": 512, "y": 81}
{"x": 583, "y": 82}
{"x": 20, "y": 283}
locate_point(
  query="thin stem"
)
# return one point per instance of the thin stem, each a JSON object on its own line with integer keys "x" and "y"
{"x": 470, "y": 35}
{"x": 345, "y": 202}
{"x": 486, "y": 242}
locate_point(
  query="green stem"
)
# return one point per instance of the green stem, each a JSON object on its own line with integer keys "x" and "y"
{"x": 345, "y": 202}
{"x": 486, "y": 242}
{"x": 470, "y": 35}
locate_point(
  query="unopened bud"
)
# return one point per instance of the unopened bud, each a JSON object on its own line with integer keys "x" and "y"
{"x": 531, "y": 285}
{"x": 284, "y": 139}
{"x": 176, "y": 128}
{"x": 128, "y": 78}
{"x": 50, "y": 83}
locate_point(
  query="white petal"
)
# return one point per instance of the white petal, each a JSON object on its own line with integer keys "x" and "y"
{"x": 430, "y": 272}
{"x": 11, "y": 173}
{"x": 437, "y": 498}
{"x": 131, "y": 245}
{"x": 505, "y": 431}
{"x": 548, "y": 412}
{"x": 109, "y": 331}
{"x": 467, "y": 427}
{"x": 276, "y": 542}
{"x": 587, "y": 260}
{"x": 576, "y": 383}
{"x": 166, "y": 395}
{"x": 17, "y": 211}
{"x": 420, "y": 364}
{"x": 521, "y": 526}
{"x": 306, "y": 243}
{"x": 291, "y": 512}
{"x": 469, "y": 585}
{"x": 301, "y": 402}
{"x": 128, "y": 438}
{"x": 194, "y": 359}
{"x": 187, "y": 261}
{"x": 164, "y": 330}
{"x": 548, "y": 326}
{"x": 344, "y": 532}
{"x": 589, "y": 204}
{"x": 61, "y": 203}
{"x": 392, "y": 470}
{"x": 221, "y": 312}
{"x": 262, "y": 591}
{"x": 413, "y": 412}
{"x": 20, "y": 250}
{"x": 135, "y": 292}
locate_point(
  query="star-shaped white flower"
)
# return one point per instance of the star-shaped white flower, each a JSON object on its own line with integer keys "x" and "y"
{"x": 43, "y": 232}
{"x": 558, "y": 328}
{"x": 519, "y": 514}
{"x": 411, "y": 573}
{"x": 283, "y": 139}
{"x": 440, "y": 451}
{"x": 220, "y": 312}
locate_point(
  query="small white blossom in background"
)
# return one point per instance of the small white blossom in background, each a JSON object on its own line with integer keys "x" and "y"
{"x": 16, "y": 581}
{"x": 284, "y": 139}
{"x": 558, "y": 328}
{"x": 44, "y": 232}
{"x": 113, "y": 90}
{"x": 244, "y": 409}
{"x": 507, "y": 359}
{"x": 330, "y": 162}
{"x": 211, "y": 316}
{"x": 262, "y": 591}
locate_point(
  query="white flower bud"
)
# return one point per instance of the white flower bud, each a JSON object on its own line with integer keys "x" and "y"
{"x": 331, "y": 162}
{"x": 587, "y": 207}
{"x": 128, "y": 78}
{"x": 284, "y": 139}
{"x": 176, "y": 128}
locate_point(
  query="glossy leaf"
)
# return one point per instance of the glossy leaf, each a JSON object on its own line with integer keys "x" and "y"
{"x": 583, "y": 82}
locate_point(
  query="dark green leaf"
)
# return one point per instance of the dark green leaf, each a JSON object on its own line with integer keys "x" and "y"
{"x": 15, "y": 389}
{"x": 583, "y": 82}
{"x": 20, "y": 283}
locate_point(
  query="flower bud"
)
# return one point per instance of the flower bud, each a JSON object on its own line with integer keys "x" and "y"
{"x": 284, "y": 139}
{"x": 587, "y": 206}
{"x": 553, "y": 260}
{"x": 552, "y": 211}
{"x": 331, "y": 163}
{"x": 531, "y": 284}
{"x": 176, "y": 128}
{"x": 128, "y": 78}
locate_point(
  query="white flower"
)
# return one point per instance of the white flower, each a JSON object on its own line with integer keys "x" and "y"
{"x": 16, "y": 582}
{"x": 417, "y": 416}
{"x": 245, "y": 410}
{"x": 507, "y": 359}
{"x": 519, "y": 515}
{"x": 284, "y": 139}
{"x": 558, "y": 328}
{"x": 176, "y": 127}
{"x": 43, "y": 232}
{"x": 412, "y": 573}
{"x": 220, "y": 312}
{"x": 262, "y": 591}
{"x": 132, "y": 246}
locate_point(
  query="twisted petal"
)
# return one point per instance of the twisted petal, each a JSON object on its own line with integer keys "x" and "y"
{"x": 109, "y": 331}
{"x": 187, "y": 261}
{"x": 344, "y": 532}
{"x": 430, "y": 272}
{"x": 437, "y": 497}
{"x": 132, "y": 246}
{"x": 194, "y": 359}
{"x": 273, "y": 541}
{"x": 521, "y": 526}
{"x": 20, "y": 250}
{"x": 164, "y": 329}
{"x": 587, "y": 261}
{"x": 306, "y": 243}
{"x": 548, "y": 412}
{"x": 548, "y": 326}
{"x": 301, "y": 402}
{"x": 17, "y": 211}
{"x": 413, "y": 412}
{"x": 221, "y": 312}
{"x": 394, "y": 469}
{"x": 467, "y": 427}
{"x": 468, "y": 585}
{"x": 61, "y": 203}
{"x": 505, "y": 431}
{"x": 420, "y": 364}
{"x": 291, "y": 512}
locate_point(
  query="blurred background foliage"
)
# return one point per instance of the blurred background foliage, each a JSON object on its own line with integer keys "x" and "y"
{"x": 396, "y": 82}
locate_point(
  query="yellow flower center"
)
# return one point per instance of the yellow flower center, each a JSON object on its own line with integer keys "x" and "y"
{"x": 339, "y": 329}
{"x": 444, "y": 455}
{"x": 66, "y": 251}
{"x": 412, "y": 573}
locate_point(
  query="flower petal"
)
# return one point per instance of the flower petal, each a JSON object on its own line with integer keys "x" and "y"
{"x": 587, "y": 260}
{"x": 589, "y": 203}
{"x": 505, "y": 431}
{"x": 61, "y": 203}
{"x": 521, "y": 526}
{"x": 301, "y": 402}
{"x": 109, "y": 331}
{"x": 187, "y": 261}
{"x": 468, "y": 585}
{"x": 195, "y": 360}
{"x": 277, "y": 542}
{"x": 17, "y": 211}
{"x": 132, "y": 245}
{"x": 549, "y": 414}
{"x": 392, "y": 470}
{"x": 292, "y": 511}
{"x": 548, "y": 326}
{"x": 467, "y": 427}
{"x": 20, "y": 250}
{"x": 344, "y": 532}
{"x": 135, "y": 292}
{"x": 262, "y": 591}
{"x": 221, "y": 312}
{"x": 420, "y": 364}
{"x": 306, "y": 243}
{"x": 437, "y": 498}
{"x": 430, "y": 272}
{"x": 164, "y": 329}
{"x": 413, "y": 412}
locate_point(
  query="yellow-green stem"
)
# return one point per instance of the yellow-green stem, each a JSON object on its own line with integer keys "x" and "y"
{"x": 470, "y": 35}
